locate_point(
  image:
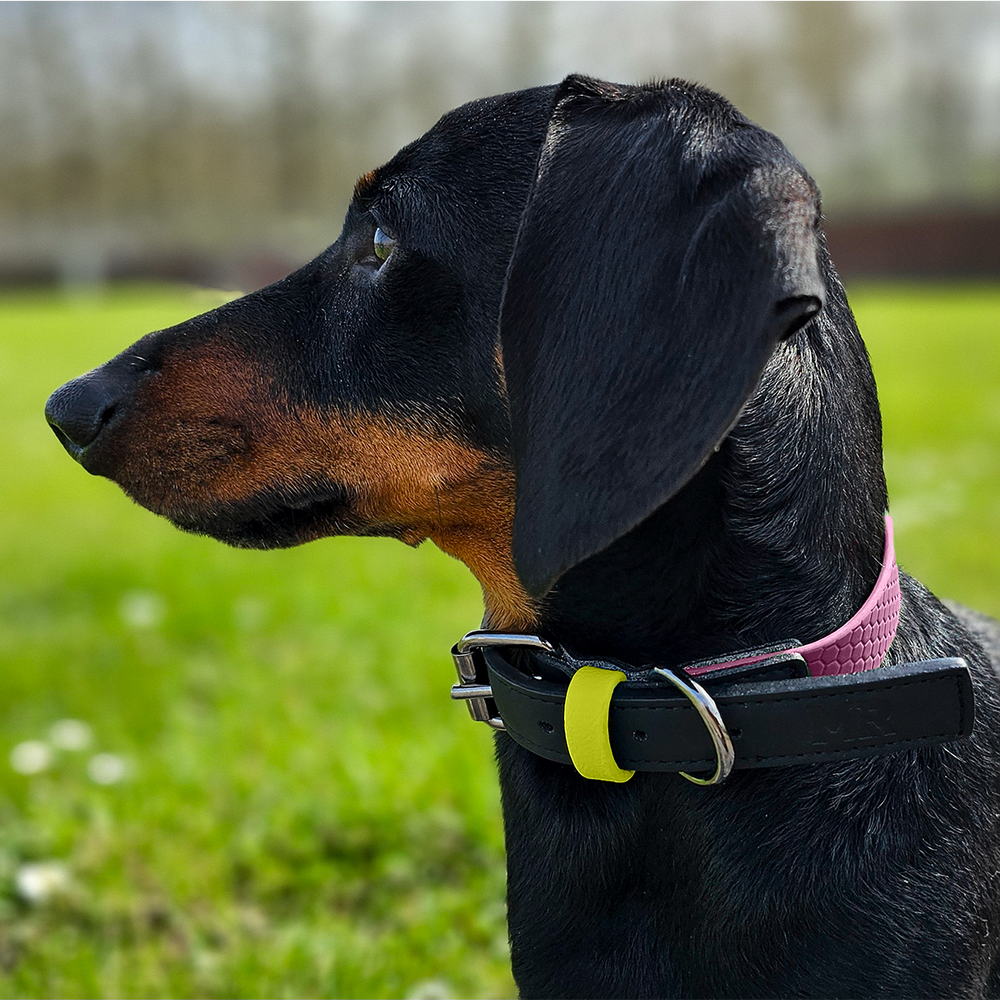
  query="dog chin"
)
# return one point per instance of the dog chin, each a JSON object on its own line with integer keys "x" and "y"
{"x": 266, "y": 524}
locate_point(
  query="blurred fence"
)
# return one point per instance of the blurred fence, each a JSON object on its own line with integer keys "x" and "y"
{"x": 219, "y": 141}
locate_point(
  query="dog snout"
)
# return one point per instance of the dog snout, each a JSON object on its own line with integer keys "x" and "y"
{"x": 81, "y": 409}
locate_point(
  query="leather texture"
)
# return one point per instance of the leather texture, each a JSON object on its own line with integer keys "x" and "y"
{"x": 772, "y": 723}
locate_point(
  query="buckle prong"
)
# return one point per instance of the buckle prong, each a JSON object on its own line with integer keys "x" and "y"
{"x": 466, "y": 692}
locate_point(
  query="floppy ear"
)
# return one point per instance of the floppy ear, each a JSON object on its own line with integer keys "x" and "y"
{"x": 667, "y": 245}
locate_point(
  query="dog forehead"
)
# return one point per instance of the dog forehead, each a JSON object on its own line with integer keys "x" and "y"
{"x": 480, "y": 146}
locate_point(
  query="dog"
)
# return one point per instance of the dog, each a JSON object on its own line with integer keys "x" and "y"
{"x": 588, "y": 339}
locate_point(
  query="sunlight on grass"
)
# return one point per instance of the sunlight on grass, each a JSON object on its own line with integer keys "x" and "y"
{"x": 229, "y": 773}
{"x": 936, "y": 355}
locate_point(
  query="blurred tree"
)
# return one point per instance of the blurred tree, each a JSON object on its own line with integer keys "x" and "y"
{"x": 133, "y": 130}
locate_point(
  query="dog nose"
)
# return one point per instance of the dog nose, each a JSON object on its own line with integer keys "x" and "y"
{"x": 79, "y": 410}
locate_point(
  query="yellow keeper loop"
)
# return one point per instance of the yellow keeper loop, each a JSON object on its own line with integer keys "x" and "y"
{"x": 585, "y": 719}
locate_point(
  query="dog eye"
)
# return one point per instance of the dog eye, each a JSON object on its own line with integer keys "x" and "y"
{"x": 383, "y": 244}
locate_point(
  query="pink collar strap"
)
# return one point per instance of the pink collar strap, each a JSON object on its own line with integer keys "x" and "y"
{"x": 860, "y": 644}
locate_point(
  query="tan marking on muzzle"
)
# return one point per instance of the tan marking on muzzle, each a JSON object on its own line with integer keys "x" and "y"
{"x": 206, "y": 432}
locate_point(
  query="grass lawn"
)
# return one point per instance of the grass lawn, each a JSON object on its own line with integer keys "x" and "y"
{"x": 286, "y": 803}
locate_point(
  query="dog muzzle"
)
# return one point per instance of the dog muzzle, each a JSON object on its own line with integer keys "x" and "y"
{"x": 772, "y": 706}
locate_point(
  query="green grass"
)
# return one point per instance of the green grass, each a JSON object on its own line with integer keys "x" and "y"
{"x": 936, "y": 355}
{"x": 305, "y": 813}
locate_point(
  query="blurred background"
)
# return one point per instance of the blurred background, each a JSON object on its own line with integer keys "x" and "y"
{"x": 238, "y": 774}
{"x": 218, "y": 142}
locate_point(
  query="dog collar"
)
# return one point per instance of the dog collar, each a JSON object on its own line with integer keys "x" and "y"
{"x": 768, "y": 707}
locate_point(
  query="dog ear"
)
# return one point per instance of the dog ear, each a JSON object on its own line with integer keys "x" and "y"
{"x": 666, "y": 246}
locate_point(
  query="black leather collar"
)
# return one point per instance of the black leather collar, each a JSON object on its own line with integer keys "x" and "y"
{"x": 775, "y": 715}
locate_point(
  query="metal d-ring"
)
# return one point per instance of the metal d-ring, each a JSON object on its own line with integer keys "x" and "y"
{"x": 705, "y": 706}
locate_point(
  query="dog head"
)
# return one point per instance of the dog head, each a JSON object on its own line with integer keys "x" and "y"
{"x": 539, "y": 321}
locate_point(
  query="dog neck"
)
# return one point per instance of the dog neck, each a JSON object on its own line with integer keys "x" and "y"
{"x": 779, "y": 536}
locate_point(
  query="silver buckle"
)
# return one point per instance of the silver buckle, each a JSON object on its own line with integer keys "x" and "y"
{"x": 473, "y": 685}
{"x": 704, "y": 705}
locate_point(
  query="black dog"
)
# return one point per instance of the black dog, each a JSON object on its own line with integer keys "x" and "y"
{"x": 588, "y": 339}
